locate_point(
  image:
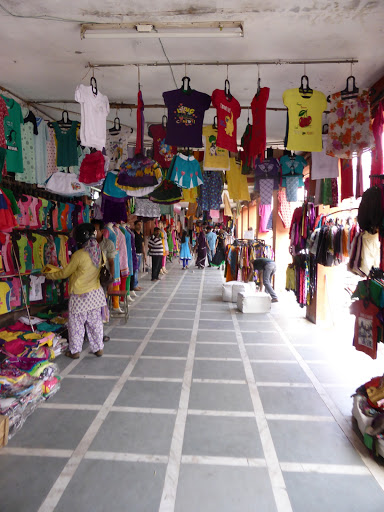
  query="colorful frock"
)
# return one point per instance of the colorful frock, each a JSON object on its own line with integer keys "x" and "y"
{"x": 185, "y": 253}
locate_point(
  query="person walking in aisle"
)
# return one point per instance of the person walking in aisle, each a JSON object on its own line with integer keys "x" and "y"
{"x": 202, "y": 246}
{"x": 155, "y": 246}
{"x": 86, "y": 296}
{"x": 139, "y": 246}
{"x": 268, "y": 269}
{"x": 185, "y": 251}
{"x": 219, "y": 258}
{"x": 211, "y": 240}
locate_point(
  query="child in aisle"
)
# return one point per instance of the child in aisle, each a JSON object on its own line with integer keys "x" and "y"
{"x": 185, "y": 251}
{"x": 155, "y": 246}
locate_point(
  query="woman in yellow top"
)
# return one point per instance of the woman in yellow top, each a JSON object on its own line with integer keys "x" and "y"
{"x": 86, "y": 296}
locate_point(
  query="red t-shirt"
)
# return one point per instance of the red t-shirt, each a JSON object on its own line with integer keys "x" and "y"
{"x": 259, "y": 134}
{"x": 162, "y": 152}
{"x": 366, "y": 325}
{"x": 228, "y": 111}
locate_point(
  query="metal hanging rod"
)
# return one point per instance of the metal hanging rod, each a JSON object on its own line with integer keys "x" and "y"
{"x": 278, "y": 62}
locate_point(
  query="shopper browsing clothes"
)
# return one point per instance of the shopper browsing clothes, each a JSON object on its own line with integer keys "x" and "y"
{"x": 201, "y": 248}
{"x": 211, "y": 240}
{"x": 86, "y": 296}
{"x": 185, "y": 251}
{"x": 219, "y": 258}
{"x": 139, "y": 246}
{"x": 268, "y": 269}
{"x": 155, "y": 246}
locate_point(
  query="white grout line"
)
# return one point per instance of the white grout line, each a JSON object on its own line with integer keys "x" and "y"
{"x": 126, "y": 457}
{"x": 273, "y": 361}
{"x": 229, "y": 414}
{"x": 94, "y": 377}
{"x": 279, "y": 489}
{"x": 70, "y": 407}
{"x": 118, "y": 356}
{"x": 144, "y": 410}
{"x": 165, "y": 358}
{"x": 174, "y": 328}
{"x": 285, "y": 384}
{"x": 70, "y": 468}
{"x": 299, "y": 417}
{"x": 123, "y": 339}
{"x": 168, "y": 341}
{"x": 330, "y": 469}
{"x": 37, "y": 452}
{"x": 223, "y": 461}
{"x": 168, "y": 498}
{"x": 155, "y": 379}
{"x": 216, "y": 343}
{"x": 225, "y": 359}
{"x": 340, "y": 419}
{"x": 258, "y": 344}
{"x": 219, "y": 381}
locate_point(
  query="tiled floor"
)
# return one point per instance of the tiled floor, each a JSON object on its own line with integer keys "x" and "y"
{"x": 196, "y": 407}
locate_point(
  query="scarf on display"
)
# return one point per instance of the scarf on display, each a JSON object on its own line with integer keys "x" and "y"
{"x": 94, "y": 251}
{"x": 140, "y": 124}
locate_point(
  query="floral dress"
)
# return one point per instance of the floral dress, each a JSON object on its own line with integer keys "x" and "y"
{"x": 349, "y": 125}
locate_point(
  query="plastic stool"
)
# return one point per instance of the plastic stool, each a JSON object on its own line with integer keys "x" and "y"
{"x": 124, "y": 304}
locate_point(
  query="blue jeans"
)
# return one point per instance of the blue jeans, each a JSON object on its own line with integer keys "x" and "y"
{"x": 268, "y": 272}
{"x": 136, "y": 274}
{"x": 210, "y": 255}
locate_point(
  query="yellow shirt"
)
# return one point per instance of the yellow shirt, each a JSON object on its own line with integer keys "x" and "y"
{"x": 82, "y": 273}
{"x": 237, "y": 182}
{"x": 190, "y": 195}
{"x": 215, "y": 158}
{"x": 305, "y": 120}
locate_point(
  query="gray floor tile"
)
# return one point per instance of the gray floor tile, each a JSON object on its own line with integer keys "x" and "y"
{"x": 166, "y": 349}
{"x": 292, "y": 401}
{"x": 220, "y": 397}
{"x": 182, "y": 315}
{"x": 127, "y": 348}
{"x": 159, "y": 368}
{"x": 312, "y": 442}
{"x": 51, "y": 428}
{"x": 215, "y": 315}
{"x": 129, "y": 333}
{"x": 275, "y": 372}
{"x": 344, "y": 493}
{"x": 136, "y": 312}
{"x": 178, "y": 306}
{"x": 174, "y": 324}
{"x": 204, "y": 335}
{"x": 83, "y": 391}
{"x": 224, "y": 489}
{"x": 98, "y": 487}
{"x": 135, "y": 433}
{"x": 314, "y": 353}
{"x": 261, "y": 337}
{"x": 20, "y": 492}
{"x": 172, "y": 335}
{"x": 214, "y": 306}
{"x": 208, "y": 350}
{"x": 216, "y": 325}
{"x": 342, "y": 397}
{"x": 139, "y": 322}
{"x": 62, "y": 362}
{"x": 270, "y": 353}
{"x": 330, "y": 374}
{"x": 232, "y": 370}
{"x": 222, "y": 437}
{"x": 92, "y": 365}
{"x": 163, "y": 395}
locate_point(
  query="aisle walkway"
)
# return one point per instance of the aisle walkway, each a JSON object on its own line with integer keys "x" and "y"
{"x": 196, "y": 408}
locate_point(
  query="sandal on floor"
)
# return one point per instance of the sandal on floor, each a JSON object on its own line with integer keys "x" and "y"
{"x": 76, "y": 355}
{"x": 99, "y": 353}
{"x": 105, "y": 339}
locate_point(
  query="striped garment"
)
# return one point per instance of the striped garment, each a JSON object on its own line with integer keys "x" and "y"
{"x": 155, "y": 246}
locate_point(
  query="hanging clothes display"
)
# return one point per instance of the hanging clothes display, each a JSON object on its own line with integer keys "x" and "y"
{"x": 292, "y": 174}
{"x": 167, "y": 193}
{"x": 28, "y": 134}
{"x": 185, "y": 171}
{"x": 190, "y": 195}
{"x": 3, "y": 144}
{"x": 92, "y": 169}
{"x": 186, "y": 110}
{"x": 245, "y": 155}
{"x": 228, "y": 111}
{"x": 377, "y": 166}
{"x": 66, "y": 184}
{"x": 215, "y": 157}
{"x": 285, "y": 209}
{"x": 346, "y": 175}
{"x": 301, "y": 278}
{"x": 12, "y": 131}
{"x": 94, "y": 112}
{"x": 266, "y": 178}
{"x": 162, "y": 152}
{"x": 139, "y": 176}
{"x": 146, "y": 208}
{"x": 323, "y": 165}
{"x": 41, "y": 151}
{"x": 302, "y": 225}
{"x": 305, "y": 119}
{"x": 237, "y": 182}
{"x": 66, "y": 144}
{"x": 211, "y": 190}
{"x": 116, "y": 146}
{"x": 350, "y": 131}
{"x": 259, "y": 135}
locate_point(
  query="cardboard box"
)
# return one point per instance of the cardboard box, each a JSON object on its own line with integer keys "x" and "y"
{"x": 4, "y": 428}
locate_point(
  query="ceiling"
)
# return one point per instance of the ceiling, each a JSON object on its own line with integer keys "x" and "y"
{"x": 43, "y": 57}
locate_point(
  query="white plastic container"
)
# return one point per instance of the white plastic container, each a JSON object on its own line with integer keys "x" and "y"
{"x": 227, "y": 291}
{"x": 254, "y": 303}
{"x": 239, "y": 287}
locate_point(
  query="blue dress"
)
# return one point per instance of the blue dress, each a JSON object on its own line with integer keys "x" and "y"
{"x": 185, "y": 253}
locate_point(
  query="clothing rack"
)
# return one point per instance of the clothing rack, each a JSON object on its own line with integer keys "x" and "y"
{"x": 341, "y": 211}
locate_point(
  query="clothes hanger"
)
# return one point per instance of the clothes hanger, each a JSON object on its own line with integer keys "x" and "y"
{"x": 214, "y": 125}
{"x": 306, "y": 91}
{"x": 350, "y": 93}
{"x": 93, "y": 84}
{"x": 116, "y": 125}
{"x": 227, "y": 90}
{"x": 164, "y": 121}
{"x": 64, "y": 121}
{"x": 186, "y": 85}
{"x": 325, "y": 128}
{"x": 270, "y": 152}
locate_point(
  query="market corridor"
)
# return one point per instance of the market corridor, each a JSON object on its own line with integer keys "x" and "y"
{"x": 194, "y": 407}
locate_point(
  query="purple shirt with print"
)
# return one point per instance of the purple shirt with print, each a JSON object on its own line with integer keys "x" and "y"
{"x": 185, "y": 117}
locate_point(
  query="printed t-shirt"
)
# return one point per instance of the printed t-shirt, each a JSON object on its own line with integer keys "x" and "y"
{"x": 366, "y": 326}
{"x": 36, "y": 292}
{"x": 292, "y": 167}
{"x": 185, "y": 117}
{"x": 162, "y": 152}
{"x": 12, "y": 129}
{"x": 305, "y": 120}
{"x": 116, "y": 147}
{"x": 94, "y": 111}
{"x": 5, "y": 298}
{"x": 228, "y": 111}
{"x": 215, "y": 157}
{"x": 28, "y": 146}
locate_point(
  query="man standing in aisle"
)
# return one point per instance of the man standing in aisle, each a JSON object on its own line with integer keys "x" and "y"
{"x": 155, "y": 246}
{"x": 268, "y": 269}
{"x": 211, "y": 239}
{"x": 139, "y": 246}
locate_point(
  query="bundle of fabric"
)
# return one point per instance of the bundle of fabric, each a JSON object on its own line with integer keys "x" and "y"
{"x": 139, "y": 176}
{"x": 167, "y": 193}
{"x": 92, "y": 169}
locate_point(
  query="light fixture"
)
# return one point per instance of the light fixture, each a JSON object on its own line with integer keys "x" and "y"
{"x": 148, "y": 30}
